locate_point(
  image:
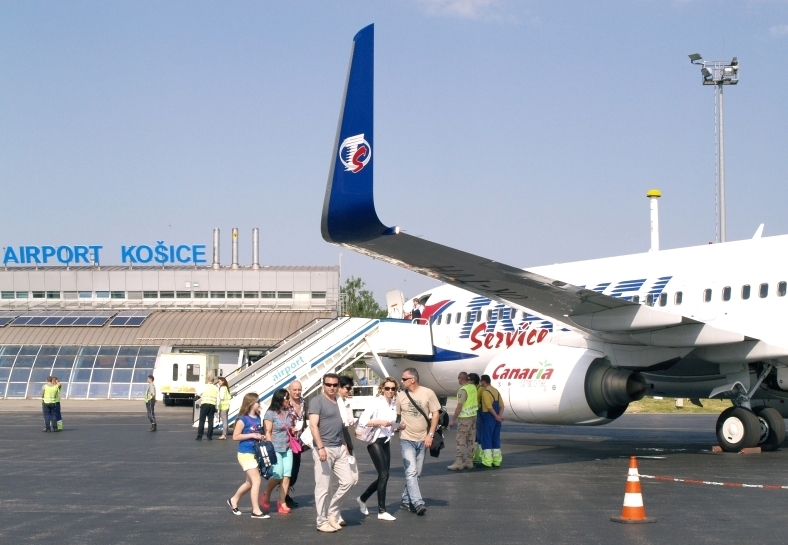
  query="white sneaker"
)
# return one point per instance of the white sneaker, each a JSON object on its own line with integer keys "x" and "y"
{"x": 362, "y": 506}
{"x": 385, "y": 516}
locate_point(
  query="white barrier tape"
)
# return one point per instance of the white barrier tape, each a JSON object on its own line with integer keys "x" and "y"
{"x": 714, "y": 483}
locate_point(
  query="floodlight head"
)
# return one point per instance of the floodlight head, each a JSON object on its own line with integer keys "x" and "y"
{"x": 735, "y": 62}
{"x": 695, "y": 57}
{"x": 706, "y": 72}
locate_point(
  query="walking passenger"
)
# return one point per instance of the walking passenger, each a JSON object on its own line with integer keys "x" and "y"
{"x": 492, "y": 416}
{"x": 329, "y": 454}
{"x": 224, "y": 399}
{"x": 277, "y": 431}
{"x": 247, "y": 431}
{"x": 420, "y": 410}
{"x": 48, "y": 397}
{"x": 382, "y": 416}
{"x": 58, "y": 414}
{"x": 298, "y": 415}
{"x": 207, "y": 408}
{"x": 344, "y": 393}
{"x": 150, "y": 402}
{"x": 465, "y": 416}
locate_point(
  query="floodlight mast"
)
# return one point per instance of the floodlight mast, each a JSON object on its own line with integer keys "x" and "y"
{"x": 719, "y": 73}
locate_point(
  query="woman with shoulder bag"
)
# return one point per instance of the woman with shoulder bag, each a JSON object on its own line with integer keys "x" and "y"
{"x": 247, "y": 431}
{"x": 297, "y": 413}
{"x": 380, "y": 421}
{"x": 277, "y": 431}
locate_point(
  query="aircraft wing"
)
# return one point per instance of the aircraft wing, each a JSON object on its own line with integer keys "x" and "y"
{"x": 349, "y": 219}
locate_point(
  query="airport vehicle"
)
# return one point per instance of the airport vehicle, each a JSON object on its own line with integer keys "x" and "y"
{"x": 181, "y": 376}
{"x": 576, "y": 343}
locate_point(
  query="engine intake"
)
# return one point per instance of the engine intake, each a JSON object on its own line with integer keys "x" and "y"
{"x": 609, "y": 391}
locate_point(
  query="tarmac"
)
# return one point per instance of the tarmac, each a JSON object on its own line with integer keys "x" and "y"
{"x": 106, "y": 479}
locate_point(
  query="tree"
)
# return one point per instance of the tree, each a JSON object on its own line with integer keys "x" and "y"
{"x": 360, "y": 303}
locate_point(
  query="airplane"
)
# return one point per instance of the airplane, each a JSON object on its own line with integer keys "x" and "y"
{"x": 575, "y": 343}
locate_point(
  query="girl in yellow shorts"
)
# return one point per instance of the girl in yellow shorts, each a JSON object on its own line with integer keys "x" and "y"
{"x": 247, "y": 431}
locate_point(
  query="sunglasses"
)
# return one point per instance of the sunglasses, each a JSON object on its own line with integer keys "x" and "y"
{"x": 347, "y": 387}
{"x": 390, "y": 388}
{"x": 331, "y": 384}
{"x": 404, "y": 379}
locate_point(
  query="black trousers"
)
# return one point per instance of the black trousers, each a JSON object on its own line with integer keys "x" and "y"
{"x": 296, "y": 468}
{"x": 209, "y": 412}
{"x": 380, "y": 452}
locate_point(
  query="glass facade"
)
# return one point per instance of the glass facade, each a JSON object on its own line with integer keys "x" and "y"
{"x": 86, "y": 372}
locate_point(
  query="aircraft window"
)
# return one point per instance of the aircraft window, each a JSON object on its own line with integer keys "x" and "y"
{"x": 781, "y": 289}
{"x": 448, "y": 319}
{"x": 440, "y": 317}
{"x": 650, "y": 298}
{"x": 636, "y": 298}
{"x": 663, "y": 299}
{"x": 458, "y": 317}
{"x": 500, "y": 314}
{"x": 489, "y": 315}
{"x": 706, "y": 295}
{"x": 726, "y": 293}
{"x": 468, "y": 317}
{"x": 745, "y": 291}
{"x": 763, "y": 290}
{"x": 677, "y": 298}
{"x": 479, "y": 316}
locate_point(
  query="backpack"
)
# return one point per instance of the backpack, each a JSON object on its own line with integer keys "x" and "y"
{"x": 266, "y": 458}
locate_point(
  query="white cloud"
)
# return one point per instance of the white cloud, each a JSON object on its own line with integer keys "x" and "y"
{"x": 466, "y": 9}
{"x": 778, "y": 30}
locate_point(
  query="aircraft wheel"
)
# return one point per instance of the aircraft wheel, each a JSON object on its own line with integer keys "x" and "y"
{"x": 772, "y": 428}
{"x": 738, "y": 428}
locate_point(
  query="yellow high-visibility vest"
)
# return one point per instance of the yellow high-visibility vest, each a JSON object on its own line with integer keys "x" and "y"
{"x": 209, "y": 395}
{"x": 50, "y": 393}
{"x": 224, "y": 404}
{"x": 471, "y": 405}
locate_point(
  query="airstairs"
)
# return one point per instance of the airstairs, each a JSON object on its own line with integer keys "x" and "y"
{"x": 326, "y": 346}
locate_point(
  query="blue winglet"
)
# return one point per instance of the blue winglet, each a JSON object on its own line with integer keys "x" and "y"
{"x": 349, "y": 208}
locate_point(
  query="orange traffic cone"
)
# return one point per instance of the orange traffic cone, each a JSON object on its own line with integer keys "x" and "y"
{"x": 633, "y": 511}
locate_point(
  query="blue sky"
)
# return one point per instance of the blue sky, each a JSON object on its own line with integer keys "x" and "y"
{"x": 526, "y": 131}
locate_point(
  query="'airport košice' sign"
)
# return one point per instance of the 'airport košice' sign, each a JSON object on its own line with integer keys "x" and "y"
{"x": 66, "y": 255}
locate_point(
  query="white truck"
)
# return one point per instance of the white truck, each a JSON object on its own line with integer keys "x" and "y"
{"x": 183, "y": 375}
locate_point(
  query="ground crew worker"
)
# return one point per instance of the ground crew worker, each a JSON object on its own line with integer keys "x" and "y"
{"x": 150, "y": 402}
{"x": 477, "y": 448}
{"x": 208, "y": 408}
{"x": 58, "y": 414}
{"x": 465, "y": 416}
{"x": 48, "y": 397}
{"x": 224, "y": 406}
{"x": 492, "y": 416}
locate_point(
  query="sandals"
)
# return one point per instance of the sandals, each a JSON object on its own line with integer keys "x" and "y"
{"x": 223, "y": 438}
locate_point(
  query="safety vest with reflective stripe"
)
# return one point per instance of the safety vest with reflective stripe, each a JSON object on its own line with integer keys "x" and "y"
{"x": 471, "y": 405}
{"x": 209, "y": 395}
{"x": 224, "y": 404}
{"x": 50, "y": 391}
{"x": 57, "y": 393}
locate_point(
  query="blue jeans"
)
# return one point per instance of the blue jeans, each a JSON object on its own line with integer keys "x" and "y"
{"x": 412, "y": 460}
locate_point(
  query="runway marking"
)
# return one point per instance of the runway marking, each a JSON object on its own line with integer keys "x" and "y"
{"x": 713, "y": 483}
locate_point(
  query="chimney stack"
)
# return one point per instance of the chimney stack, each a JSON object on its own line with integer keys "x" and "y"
{"x": 653, "y": 195}
{"x": 215, "y": 264}
{"x": 234, "y": 264}
{"x": 255, "y": 248}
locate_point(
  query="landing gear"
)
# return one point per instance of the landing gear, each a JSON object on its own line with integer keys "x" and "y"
{"x": 772, "y": 428}
{"x": 738, "y": 428}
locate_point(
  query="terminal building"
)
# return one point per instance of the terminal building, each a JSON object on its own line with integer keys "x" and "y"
{"x": 100, "y": 329}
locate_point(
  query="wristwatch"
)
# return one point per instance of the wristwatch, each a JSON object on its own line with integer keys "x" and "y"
{"x": 431, "y": 434}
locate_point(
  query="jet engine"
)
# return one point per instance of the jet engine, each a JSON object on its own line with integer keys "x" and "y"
{"x": 563, "y": 385}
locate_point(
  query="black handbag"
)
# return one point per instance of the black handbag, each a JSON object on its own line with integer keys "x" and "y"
{"x": 437, "y": 440}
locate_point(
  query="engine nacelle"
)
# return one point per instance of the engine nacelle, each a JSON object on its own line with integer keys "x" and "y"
{"x": 549, "y": 384}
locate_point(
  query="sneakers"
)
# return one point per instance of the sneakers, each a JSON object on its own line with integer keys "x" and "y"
{"x": 405, "y": 506}
{"x": 362, "y": 506}
{"x": 235, "y": 510}
{"x": 260, "y": 516}
{"x": 290, "y": 502}
{"x": 334, "y": 523}
{"x": 421, "y": 510}
{"x": 327, "y": 528}
{"x": 385, "y": 516}
{"x": 282, "y": 509}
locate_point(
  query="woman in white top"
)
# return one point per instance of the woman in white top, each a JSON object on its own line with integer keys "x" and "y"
{"x": 382, "y": 416}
